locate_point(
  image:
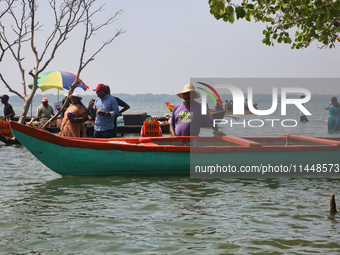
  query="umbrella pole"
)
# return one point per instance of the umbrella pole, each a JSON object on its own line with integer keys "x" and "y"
{"x": 58, "y": 96}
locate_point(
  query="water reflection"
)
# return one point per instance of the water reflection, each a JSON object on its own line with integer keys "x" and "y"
{"x": 101, "y": 212}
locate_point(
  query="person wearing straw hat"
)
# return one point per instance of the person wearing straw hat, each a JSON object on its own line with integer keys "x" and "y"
{"x": 186, "y": 117}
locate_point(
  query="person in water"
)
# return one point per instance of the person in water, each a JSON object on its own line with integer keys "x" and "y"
{"x": 334, "y": 115}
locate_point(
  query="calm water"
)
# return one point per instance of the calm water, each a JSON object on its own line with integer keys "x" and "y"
{"x": 44, "y": 213}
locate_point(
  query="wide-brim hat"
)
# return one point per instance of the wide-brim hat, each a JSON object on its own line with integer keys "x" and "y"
{"x": 189, "y": 88}
{"x": 77, "y": 95}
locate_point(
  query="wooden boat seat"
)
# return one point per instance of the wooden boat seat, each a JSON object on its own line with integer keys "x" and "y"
{"x": 241, "y": 141}
{"x": 147, "y": 141}
{"x": 311, "y": 139}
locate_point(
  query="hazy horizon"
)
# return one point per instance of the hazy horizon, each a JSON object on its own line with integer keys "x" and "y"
{"x": 167, "y": 43}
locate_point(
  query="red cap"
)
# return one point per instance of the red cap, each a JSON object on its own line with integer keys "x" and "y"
{"x": 44, "y": 99}
{"x": 100, "y": 86}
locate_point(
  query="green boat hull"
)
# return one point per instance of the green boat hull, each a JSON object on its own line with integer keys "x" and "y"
{"x": 181, "y": 155}
{"x": 83, "y": 161}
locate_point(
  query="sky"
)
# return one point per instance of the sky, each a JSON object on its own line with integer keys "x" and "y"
{"x": 167, "y": 43}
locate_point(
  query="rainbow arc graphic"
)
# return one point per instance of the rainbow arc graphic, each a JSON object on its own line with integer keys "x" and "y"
{"x": 209, "y": 93}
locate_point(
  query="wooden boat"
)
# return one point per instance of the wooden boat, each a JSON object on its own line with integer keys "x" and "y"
{"x": 217, "y": 114}
{"x": 6, "y": 135}
{"x": 16, "y": 118}
{"x": 171, "y": 155}
{"x": 8, "y": 140}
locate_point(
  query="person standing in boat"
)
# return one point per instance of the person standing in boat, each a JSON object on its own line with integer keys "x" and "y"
{"x": 230, "y": 105}
{"x": 246, "y": 103}
{"x": 8, "y": 109}
{"x": 106, "y": 109}
{"x": 226, "y": 105}
{"x": 218, "y": 106}
{"x": 44, "y": 110}
{"x": 186, "y": 117}
{"x": 74, "y": 117}
{"x": 62, "y": 103}
{"x": 334, "y": 115}
{"x": 88, "y": 110}
{"x": 121, "y": 103}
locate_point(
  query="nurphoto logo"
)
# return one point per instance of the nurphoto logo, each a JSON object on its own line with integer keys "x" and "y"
{"x": 238, "y": 99}
{"x": 240, "y": 103}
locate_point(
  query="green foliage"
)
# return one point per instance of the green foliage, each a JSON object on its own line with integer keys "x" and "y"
{"x": 314, "y": 19}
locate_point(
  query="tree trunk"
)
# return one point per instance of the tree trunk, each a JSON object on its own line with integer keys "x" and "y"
{"x": 28, "y": 102}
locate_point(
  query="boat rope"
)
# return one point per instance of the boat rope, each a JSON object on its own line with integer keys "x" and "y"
{"x": 287, "y": 137}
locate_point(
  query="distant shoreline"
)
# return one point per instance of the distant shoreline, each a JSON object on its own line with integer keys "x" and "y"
{"x": 161, "y": 98}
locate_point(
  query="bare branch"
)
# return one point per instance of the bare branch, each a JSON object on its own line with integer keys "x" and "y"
{"x": 9, "y": 6}
{"x": 73, "y": 20}
{"x": 103, "y": 45}
{"x": 10, "y": 89}
{"x": 67, "y": 16}
{"x": 90, "y": 29}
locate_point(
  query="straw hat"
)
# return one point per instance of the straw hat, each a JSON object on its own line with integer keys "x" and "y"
{"x": 189, "y": 88}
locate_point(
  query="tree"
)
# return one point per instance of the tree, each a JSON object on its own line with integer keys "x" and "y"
{"x": 24, "y": 32}
{"x": 314, "y": 19}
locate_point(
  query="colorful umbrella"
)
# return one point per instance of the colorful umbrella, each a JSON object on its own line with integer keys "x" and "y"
{"x": 58, "y": 80}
